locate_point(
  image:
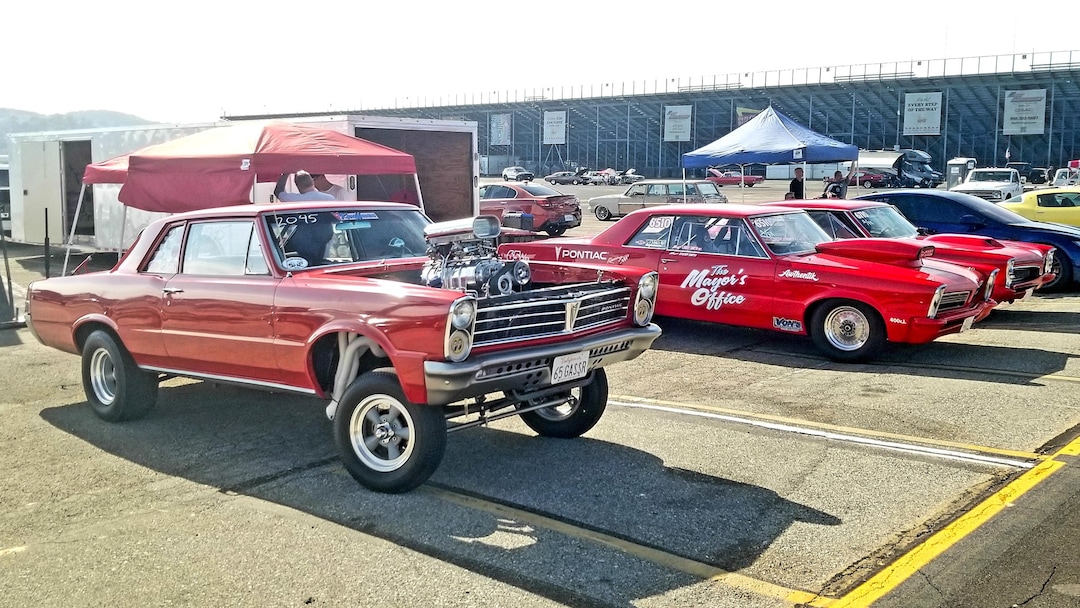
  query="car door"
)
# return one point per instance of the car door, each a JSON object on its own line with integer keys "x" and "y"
{"x": 712, "y": 269}
{"x": 1058, "y": 207}
{"x": 634, "y": 198}
{"x": 217, "y": 312}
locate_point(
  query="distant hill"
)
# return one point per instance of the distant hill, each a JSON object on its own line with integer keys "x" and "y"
{"x": 21, "y": 121}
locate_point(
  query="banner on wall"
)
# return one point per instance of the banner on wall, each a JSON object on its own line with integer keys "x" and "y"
{"x": 500, "y": 129}
{"x": 743, "y": 115}
{"x": 922, "y": 113}
{"x": 677, "y": 122}
{"x": 555, "y": 127}
{"x": 1025, "y": 112}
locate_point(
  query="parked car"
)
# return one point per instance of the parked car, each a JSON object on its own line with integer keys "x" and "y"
{"x": 1022, "y": 267}
{"x": 1039, "y": 175}
{"x": 547, "y": 209}
{"x": 1066, "y": 177}
{"x": 630, "y": 176}
{"x": 733, "y": 178}
{"x": 1060, "y": 205}
{"x": 868, "y": 179}
{"x": 652, "y": 192}
{"x": 593, "y": 178}
{"x": 773, "y": 268}
{"x": 960, "y": 213}
{"x": 562, "y": 178}
{"x": 400, "y": 324}
{"x": 517, "y": 174}
{"x": 994, "y": 185}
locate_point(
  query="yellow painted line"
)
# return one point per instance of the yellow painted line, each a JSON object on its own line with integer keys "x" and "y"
{"x": 12, "y": 550}
{"x": 695, "y": 568}
{"x": 831, "y": 427}
{"x": 911, "y": 562}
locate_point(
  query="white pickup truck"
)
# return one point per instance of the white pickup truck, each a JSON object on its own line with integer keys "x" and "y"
{"x": 992, "y": 184}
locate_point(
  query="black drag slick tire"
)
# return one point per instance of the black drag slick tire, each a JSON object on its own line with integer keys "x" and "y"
{"x": 557, "y": 231}
{"x": 847, "y": 331}
{"x": 575, "y": 418}
{"x": 602, "y": 214}
{"x": 386, "y": 442}
{"x": 115, "y": 387}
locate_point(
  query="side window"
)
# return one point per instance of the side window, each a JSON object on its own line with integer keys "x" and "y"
{"x": 691, "y": 190}
{"x": 675, "y": 189}
{"x": 227, "y": 248}
{"x": 731, "y": 237}
{"x": 484, "y": 190}
{"x": 638, "y": 190}
{"x": 654, "y": 234}
{"x": 657, "y": 190}
{"x": 166, "y": 258}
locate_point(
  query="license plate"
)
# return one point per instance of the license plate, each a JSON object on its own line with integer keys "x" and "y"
{"x": 967, "y": 324}
{"x": 568, "y": 218}
{"x": 570, "y": 367}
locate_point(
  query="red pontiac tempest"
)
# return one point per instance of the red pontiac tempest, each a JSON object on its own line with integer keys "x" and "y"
{"x": 1022, "y": 267}
{"x": 771, "y": 268}
{"x": 733, "y": 178}
{"x": 394, "y": 320}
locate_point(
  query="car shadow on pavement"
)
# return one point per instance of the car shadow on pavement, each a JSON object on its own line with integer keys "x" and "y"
{"x": 1033, "y": 320}
{"x": 938, "y": 359}
{"x": 279, "y": 449}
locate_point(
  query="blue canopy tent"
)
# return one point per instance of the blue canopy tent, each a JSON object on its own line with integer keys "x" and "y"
{"x": 770, "y": 138}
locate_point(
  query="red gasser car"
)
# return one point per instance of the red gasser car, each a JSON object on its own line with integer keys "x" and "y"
{"x": 770, "y": 268}
{"x": 402, "y": 325}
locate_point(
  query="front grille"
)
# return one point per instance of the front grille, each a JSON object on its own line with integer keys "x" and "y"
{"x": 549, "y": 312}
{"x": 1025, "y": 274}
{"x": 986, "y": 194}
{"x": 952, "y": 300}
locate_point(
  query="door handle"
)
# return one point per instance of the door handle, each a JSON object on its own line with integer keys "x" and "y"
{"x": 172, "y": 290}
{"x": 667, "y": 261}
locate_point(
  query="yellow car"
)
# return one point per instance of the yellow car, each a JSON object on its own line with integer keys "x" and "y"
{"x": 1060, "y": 205}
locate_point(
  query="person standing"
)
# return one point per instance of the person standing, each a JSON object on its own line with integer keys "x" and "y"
{"x": 306, "y": 186}
{"x": 322, "y": 184}
{"x": 837, "y": 187}
{"x": 797, "y": 186}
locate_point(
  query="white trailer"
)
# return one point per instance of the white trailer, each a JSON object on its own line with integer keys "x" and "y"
{"x": 46, "y": 175}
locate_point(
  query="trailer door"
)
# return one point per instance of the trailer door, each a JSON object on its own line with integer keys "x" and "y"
{"x": 42, "y": 192}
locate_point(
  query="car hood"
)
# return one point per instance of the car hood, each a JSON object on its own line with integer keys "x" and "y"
{"x": 904, "y": 252}
{"x": 975, "y": 244}
{"x": 1072, "y": 232}
{"x": 979, "y": 186}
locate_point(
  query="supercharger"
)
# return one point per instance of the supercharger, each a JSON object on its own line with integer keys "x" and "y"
{"x": 464, "y": 257}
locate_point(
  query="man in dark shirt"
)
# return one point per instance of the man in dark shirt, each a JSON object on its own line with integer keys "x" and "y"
{"x": 797, "y": 184}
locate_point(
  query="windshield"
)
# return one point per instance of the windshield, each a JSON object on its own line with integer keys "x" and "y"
{"x": 789, "y": 233}
{"x": 320, "y": 238}
{"x": 990, "y": 176}
{"x": 885, "y": 222}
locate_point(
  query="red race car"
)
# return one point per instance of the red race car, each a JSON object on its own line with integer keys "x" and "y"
{"x": 1022, "y": 267}
{"x": 777, "y": 269}
{"x": 402, "y": 325}
{"x": 733, "y": 178}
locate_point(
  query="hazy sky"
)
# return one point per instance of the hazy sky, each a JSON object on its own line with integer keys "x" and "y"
{"x": 194, "y": 61}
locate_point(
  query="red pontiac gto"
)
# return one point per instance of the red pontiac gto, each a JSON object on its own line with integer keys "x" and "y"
{"x": 1022, "y": 267}
{"x": 394, "y": 320}
{"x": 733, "y": 178}
{"x": 772, "y": 268}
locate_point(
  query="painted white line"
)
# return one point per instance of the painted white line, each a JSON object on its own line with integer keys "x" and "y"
{"x": 887, "y": 445}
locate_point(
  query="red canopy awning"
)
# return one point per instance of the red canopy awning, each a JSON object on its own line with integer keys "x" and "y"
{"x": 218, "y": 167}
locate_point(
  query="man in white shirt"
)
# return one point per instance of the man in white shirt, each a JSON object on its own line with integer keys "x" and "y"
{"x": 324, "y": 185}
{"x": 305, "y": 184}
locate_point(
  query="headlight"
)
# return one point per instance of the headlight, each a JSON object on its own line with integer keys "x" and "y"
{"x": 648, "y": 285}
{"x": 935, "y": 301}
{"x": 1010, "y": 272}
{"x": 458, "y": 345}
{"x": 1048, "y": 262}
{"x": 989, "y": 292}
{"x": 462, "y": 313}
{"x": 646, "y": 294}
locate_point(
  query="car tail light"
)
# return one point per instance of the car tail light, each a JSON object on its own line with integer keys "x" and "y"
{"x": 545, "y": 203}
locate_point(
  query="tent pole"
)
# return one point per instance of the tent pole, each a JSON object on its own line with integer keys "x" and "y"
{"x": 684, "y": 184}
{"x": 419, "y": 195}
{"x": 74, "y": 223}
{"x": 742, "y": 183}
